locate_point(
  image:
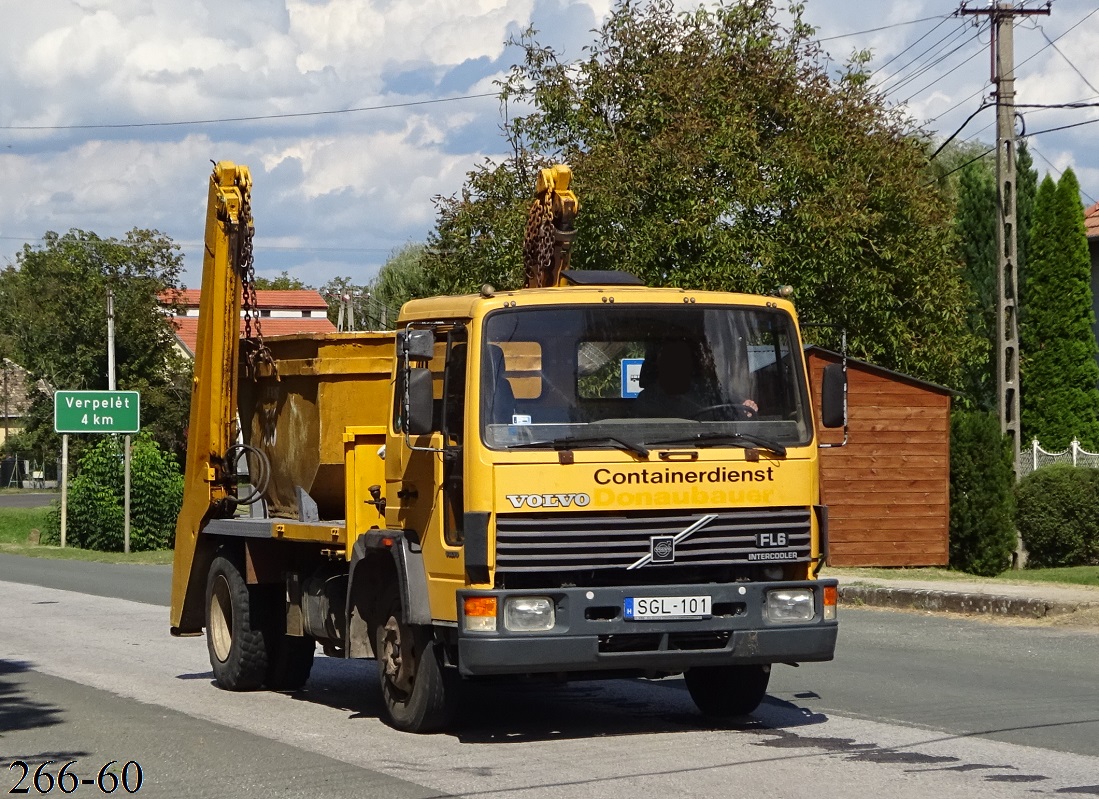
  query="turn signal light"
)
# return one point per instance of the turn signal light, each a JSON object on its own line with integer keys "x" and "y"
{"x": 830, "y": 595}
{"x": 480, "y": 613}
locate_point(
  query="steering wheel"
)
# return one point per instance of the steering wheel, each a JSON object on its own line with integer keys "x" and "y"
{"x": 742, "y": 411}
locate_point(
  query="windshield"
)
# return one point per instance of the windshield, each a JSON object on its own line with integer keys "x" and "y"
{"x": 631, "y": 376}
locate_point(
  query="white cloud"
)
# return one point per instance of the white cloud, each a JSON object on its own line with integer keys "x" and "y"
{"x": 335, "y": 194}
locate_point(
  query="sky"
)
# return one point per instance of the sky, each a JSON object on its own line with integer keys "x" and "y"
{"x": 86, "y": 87}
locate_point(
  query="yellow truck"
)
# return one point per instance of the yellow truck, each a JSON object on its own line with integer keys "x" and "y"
{"x": 592, "y": 478}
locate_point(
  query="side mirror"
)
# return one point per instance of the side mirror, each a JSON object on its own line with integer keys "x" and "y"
{"x": 416, "y": 345}
{"x": 833, "y": 396}
{"x": 419, "y": 402}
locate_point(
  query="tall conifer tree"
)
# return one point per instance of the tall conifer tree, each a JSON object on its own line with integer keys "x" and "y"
{"x": 975, "y": 219}
{"x": 1060, "y": 398}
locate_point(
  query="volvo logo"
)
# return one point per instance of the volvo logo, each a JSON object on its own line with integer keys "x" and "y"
{"x": 548, "y": 500}
{"x": 662, "y": 547}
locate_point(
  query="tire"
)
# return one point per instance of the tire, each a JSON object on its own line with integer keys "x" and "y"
{"x": 723, "y": 691}
{"x": 289, "y": 661}
{"x": 234, "y": 630}
{"x": 418, "y": 692}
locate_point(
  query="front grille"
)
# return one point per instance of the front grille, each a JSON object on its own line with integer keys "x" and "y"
{"x": 584, "y": 542}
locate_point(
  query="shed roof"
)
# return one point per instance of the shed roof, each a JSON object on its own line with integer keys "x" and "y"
{"x": 831, "y": 355}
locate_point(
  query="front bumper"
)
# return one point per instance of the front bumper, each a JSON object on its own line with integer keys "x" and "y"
{"x": 590, "y": 633}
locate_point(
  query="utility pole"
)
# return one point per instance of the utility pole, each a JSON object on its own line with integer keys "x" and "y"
{"x": 1002, "y": 16}
{"x": 112, "y": 385}
{"x": 1006, "y": 358}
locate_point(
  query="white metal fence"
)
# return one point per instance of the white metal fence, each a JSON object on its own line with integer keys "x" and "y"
{"x": 1039, "y": 457}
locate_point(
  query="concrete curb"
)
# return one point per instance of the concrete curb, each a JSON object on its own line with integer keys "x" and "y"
{"x": 955, "y": 602}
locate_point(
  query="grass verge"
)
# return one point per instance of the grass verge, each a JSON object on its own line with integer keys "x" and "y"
{"x": 17, "y": 523}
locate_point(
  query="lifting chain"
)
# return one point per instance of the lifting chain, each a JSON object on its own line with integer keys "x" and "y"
{"x": 256, "y": 351}
{"x": 538, "y": 243}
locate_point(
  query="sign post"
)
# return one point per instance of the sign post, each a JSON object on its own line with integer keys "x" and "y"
{"x": 94, "y": 412}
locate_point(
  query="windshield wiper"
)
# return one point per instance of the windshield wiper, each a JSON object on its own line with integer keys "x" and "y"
{"x": 568, "y": 442}
{"x": 717, "y": 439}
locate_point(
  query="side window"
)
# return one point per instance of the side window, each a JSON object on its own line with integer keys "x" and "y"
{"x": 452, "y": 410}
{"x": 451, "y": 413}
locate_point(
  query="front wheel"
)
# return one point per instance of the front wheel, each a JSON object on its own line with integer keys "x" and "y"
{"x": 418, "y": 692}
{"x": 724, "y": 691}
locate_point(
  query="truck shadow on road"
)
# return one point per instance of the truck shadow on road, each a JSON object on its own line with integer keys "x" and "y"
{"x": 524, "y": 711}
{"x": 22, "y": 712}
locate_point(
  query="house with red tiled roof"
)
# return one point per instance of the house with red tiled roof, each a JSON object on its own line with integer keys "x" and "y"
{"x": 280, "y": 312}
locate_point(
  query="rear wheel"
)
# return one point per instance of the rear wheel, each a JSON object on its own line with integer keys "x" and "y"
{"x": 235, "y": 637}
{"x": 289, "y": 661}
{"x": 418, "y": 692}
{"x": 724, "y": 691}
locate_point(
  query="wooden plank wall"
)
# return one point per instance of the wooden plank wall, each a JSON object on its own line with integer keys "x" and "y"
{"x": 888, "y": 490}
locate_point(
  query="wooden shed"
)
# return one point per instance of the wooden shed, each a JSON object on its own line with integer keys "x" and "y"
{"x": 888, "y": 490}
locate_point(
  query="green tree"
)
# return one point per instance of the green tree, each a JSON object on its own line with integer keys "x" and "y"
{"x": 96, "y": 503}
{"x": 970, "y": 170}
{"x": 1060, "y": 400}
{"x": 713, "y": 149}
{"x": 403, "y": 277}
{"x": 975, "y": 219}
{"x": 1026, "y": 190}
{"x": 284, "y": 282}
{"x": 982, "y": 479}
{"x": 53, "y": 314}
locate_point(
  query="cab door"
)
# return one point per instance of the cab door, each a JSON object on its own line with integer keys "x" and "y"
{"x": 424, "y": 474}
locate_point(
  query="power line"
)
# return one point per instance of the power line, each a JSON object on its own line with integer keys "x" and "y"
{"x": 258, "y": 117}
{"x": 1068, "y": 61}
{"x": 1063, "y": 127}
{"x": 1059, "y": 38}
{"x": 875, "y": 30}
{"x": 952, "y": 70}
{"x": 905, "y": 50}
{"x": 933, "y": 181}
{"x": 950, "y": 138}
{"x": 1032, "y": 56}
{"x": 1058, "y": 170}
{"x": 925, "y": 57}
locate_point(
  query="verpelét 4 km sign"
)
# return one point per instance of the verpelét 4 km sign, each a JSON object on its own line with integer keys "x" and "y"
{"x": 97, "y": 411}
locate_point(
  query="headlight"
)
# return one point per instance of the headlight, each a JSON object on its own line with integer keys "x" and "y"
{"x": 789, "y": 605}
{"x": 528, "y": 614}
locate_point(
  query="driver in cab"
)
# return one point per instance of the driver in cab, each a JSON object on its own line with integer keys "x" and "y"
{"x": 671, "y": 386}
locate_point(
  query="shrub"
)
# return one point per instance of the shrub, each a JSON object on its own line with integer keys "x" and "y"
{"x": 982, "y": 534}
{"x": 96, "y": 510}
{"x": 1058, "y": 516}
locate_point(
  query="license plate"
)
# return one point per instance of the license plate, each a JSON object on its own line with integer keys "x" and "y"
{"x": 666, "y": 607}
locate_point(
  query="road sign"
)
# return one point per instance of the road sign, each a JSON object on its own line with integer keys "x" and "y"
{"x": 96, "y": 411}
{"x": 631, "y": 377}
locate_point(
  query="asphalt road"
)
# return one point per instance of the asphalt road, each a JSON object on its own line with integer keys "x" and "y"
{"x": 135, "y": 582}
{"x": 914, "y": 705}
{"x": 28, "y": 500}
